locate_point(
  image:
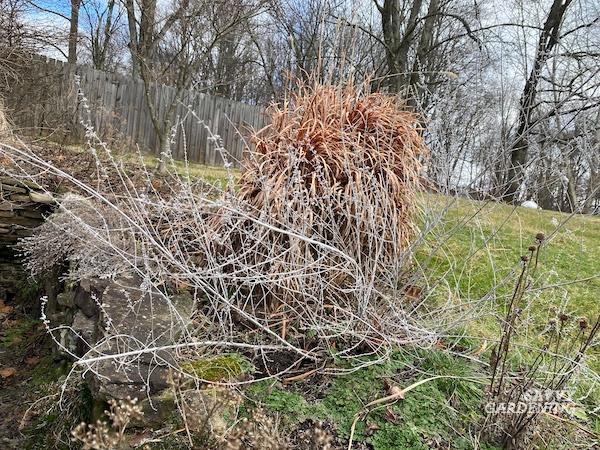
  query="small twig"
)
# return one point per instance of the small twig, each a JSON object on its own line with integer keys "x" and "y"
{"x": 300, "y": 377}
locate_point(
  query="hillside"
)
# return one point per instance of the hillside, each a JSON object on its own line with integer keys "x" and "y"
{"x": 477, "y": 244}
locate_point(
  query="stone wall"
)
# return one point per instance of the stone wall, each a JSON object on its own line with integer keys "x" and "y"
{"x": 23, "y": 206}
{"x": 101, "y": 317}
{"x": 97, "y": 317}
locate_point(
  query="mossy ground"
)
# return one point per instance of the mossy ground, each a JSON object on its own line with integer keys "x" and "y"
{"x": 439, "y": 413}
{"x": 442, "y": 413}
{"x": 225, "y": 367}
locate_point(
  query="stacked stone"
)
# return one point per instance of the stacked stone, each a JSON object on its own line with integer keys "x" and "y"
{"x": 23, "y": 206}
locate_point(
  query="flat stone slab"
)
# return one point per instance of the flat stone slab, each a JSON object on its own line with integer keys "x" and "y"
{"x": 23, "y": 205}
{"x": 133, "y": 319}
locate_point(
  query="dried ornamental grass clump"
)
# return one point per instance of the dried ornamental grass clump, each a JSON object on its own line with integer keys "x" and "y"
{"x": 357, "y": 154}
{"x": 318, "y": 231}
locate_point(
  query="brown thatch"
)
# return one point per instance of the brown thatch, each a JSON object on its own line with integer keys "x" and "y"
{"x": 336, "y": 166}
{"x": 348, "y": 149}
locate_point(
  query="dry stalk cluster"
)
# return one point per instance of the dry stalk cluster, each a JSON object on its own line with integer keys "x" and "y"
{"x": 259, "y": 431}
{"x": 519, "y": 398}
{"x": 109, "y": 434}
{"x": 315, "y": 237}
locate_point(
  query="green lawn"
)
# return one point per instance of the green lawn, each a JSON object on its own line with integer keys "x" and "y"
{"x": 472, "y": 256}
{"x": 480, "y": 243}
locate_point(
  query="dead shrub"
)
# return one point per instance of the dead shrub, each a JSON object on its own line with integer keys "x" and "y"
{"x": 300, "y": 260}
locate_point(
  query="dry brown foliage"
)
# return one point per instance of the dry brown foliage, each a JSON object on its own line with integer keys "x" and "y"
{"x": 343, "y": 144}
{"x": 337, "y": 165}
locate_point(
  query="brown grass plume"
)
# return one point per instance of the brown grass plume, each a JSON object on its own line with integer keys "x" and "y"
{"x": 334, "y": 175}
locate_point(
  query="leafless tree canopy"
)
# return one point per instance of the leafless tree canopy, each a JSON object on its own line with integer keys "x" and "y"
{"x": 508, "y": 91}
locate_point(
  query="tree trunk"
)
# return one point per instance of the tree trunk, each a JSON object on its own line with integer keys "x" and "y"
{"x": 73, "y": 31}
{"x": 545, "y": 199}
{"x": 593, "y": 189}
{"x": 133, "y": 38}
{"x": 164, "y": 147}
{"x": 571, "y": 188}
{"x": 397, "y": 45}
{"x": 519, "y": 150}
{"x": 514, "y": 177}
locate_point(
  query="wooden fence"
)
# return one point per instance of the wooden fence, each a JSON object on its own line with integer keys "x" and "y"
{"x": 49, "y": 97}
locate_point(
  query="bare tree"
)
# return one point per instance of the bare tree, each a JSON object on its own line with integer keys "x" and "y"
{"x": 413, "y": 38}
{"x": 548, "y": 39}
{"x": 19, "y": 42}
{"x": 13, "y": 37}
{"x": 58, "y": 10}
{"x": 100, "y": 32}
{"x": 171, "y": 49}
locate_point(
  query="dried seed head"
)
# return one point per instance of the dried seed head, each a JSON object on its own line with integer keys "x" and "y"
{"x": 540, "y": 237}
{"x": 524, "y": 258}
{"x": 532, "y": 248}
{"x": 583, "y": 323}
{"x": 563, "y": 317}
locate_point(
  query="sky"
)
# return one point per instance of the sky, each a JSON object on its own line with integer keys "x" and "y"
{"x": 45, "y": 21}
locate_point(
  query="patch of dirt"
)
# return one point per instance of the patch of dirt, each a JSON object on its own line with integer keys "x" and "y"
{"x": 99, "y": 172}
{"x": 80, "y": 164}
{"x": 315, "y": 435}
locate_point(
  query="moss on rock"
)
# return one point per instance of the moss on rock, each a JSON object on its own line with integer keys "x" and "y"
{"x": 225, "y": 367}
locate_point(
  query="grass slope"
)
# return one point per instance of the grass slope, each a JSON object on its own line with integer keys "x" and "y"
{"x": 474, "y": 254}
{"x": 471, "y": 253}
{"x": 486, "y": 240}
{"x": 475, "y": 248}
